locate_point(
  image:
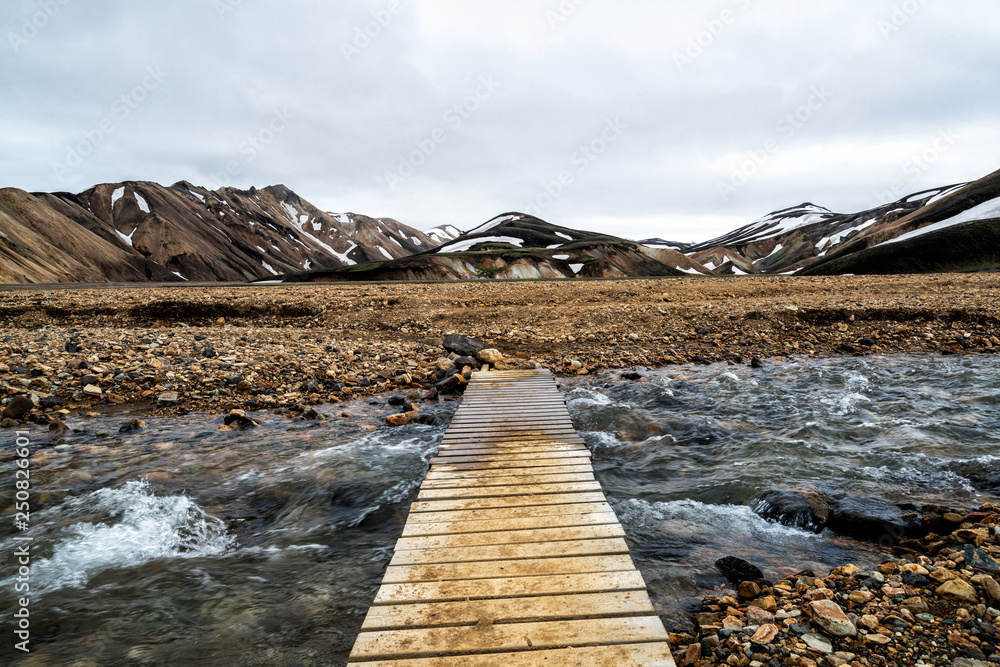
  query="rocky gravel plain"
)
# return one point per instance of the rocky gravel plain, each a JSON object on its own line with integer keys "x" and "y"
{"x": 177, "y": 349}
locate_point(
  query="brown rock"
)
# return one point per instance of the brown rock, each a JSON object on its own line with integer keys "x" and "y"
{"x": 18, "y": 407}
{"x": 748, "y": 590}
{"x": 958, "y": 589}
{"x": 767, "y": 603}
{"x": 757, "y": 616}
{"x": 877, "y": 639}
{"x": 765, "y": 634}
{"x": 828, "y": 616}
{"x": 397, "y": 420}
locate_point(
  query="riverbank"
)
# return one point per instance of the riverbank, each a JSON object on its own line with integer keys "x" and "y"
{"x": 276, "y": 346}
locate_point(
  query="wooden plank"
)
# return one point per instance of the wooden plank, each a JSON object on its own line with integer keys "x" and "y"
{"x": 507, "y": 481}
{"x": 500, "y": 552}
{"x": 505, "y": 513}
{"x": 624, "y": 655}
{"x": 508, "y": 637}
{"x": 520, "y": 567}
{"x": 507, "y": 501}
{"x": 509, "y": 523}
{"x": 465, "y": 450}
{"x": 516, "y": 610}
{"x": 435, "y": 474}
{"x": 485, "y": 589}
{"x": 504, "y": 465}
{"x": 498, "y": 491}
{"x": 494, "y": 458}
{"x": 462, "y": 540}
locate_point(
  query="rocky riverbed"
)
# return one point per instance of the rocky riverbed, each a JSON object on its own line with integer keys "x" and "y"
{"x": 255, "y": 347}
{"x": 934, "y": 603}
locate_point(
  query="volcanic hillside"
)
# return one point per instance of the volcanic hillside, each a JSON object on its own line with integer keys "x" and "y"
{"x": 519, "y": 246}
{"x": 953, "y": 228}
{"x": 141, "y": 231}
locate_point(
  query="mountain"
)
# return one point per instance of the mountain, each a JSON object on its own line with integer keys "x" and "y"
{"x": 952, "y": 228}
{"x": 142, "y": 231}
{"x": 516, "y": 245}
{"x": 443, "y": 233}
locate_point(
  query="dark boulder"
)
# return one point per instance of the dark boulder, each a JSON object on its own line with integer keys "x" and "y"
{"x": 871, "y": 519}
{"x": 472, "y": 363}
{"x": 737, "y": 570}
{"x": 18, "y": 407}
{"x": 463, "y": 346}
{"x": 793, "y": 508}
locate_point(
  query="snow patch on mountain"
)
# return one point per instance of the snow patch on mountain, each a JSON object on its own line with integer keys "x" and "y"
{"x": 462, "y": 246}
{"x": 984, "y": 211}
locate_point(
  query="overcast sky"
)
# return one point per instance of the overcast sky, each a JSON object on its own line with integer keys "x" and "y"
{"x": 640, "y": 118}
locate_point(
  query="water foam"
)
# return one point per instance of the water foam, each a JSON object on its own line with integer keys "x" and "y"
{"x": 138, "y": 527}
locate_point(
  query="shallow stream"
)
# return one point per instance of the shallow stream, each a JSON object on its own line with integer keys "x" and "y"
{"x": 184, "y": 545}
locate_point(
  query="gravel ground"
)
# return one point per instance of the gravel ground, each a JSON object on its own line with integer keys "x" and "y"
{"x": 225, "y": 347}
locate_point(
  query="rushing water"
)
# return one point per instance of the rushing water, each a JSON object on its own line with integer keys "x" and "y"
{"x": 184, "y": 545}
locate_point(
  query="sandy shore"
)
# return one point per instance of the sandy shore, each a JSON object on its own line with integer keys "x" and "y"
{"x": 224, "y": 347}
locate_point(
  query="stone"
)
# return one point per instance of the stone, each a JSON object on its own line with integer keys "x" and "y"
{"x": 397, "y": 420}
{"x": 133, "y": 426}
{"x": 463, "y": 346}
{"x": 992, "y": 590}
{"x": 767, "y": 603}
{"x": 757, "y": 616}
{"x": 793, "y": 508}
{"x": 92, "y": 390}
{"x": 958, "y": 589}
{"x": 748, "y": 590}
{"x": 240, "y": 419}
{"x": 880, "y": 639}
{"x": 978, "y": 559}
{"x": 870, "y": 519}
{"x": 490, "y": 356}
{"x": 828, "y": 616}
{"x": 167, "y": 399}
{"x": 18, "y": 407}
{"x": 737, "y": 570}
{"x": 765, "y": 634}
{"x": 818, "y": 642}
{"x": 868, "y": 622}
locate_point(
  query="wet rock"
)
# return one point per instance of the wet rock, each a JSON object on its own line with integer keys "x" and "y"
{"x": 980, "y": 560}
{"x": 756, "y": 363}
{"x": 450, "y": 384}
{"x": 737, "y": 570}
{"x": 397, "y": 420}
{"x": 167, "y": 399}
{"x": 870, "y": 519}
{"x": 829, "y": 617}
{"x": 57, "y": 431}
{"x": 239, "y": 419}
{"x": 793, "y": 508}
{"x": 18, "y": 407}
{"x": 490, "y": 356}
{"x": 397, "y": 401}
{"x": 463, "y": 346}
{"x": 133, "y": 426}
{"x": 9, "y": 423}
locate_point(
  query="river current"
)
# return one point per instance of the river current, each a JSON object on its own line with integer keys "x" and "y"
{"x": 184, "y": 545}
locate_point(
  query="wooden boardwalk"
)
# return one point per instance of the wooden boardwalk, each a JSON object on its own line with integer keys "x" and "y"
{"x": 511, "y": 554}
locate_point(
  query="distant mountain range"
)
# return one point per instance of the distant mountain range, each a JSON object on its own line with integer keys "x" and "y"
{"x": 141, "y": 231}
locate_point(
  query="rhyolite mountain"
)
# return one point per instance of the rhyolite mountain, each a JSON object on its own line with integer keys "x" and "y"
{"x": 141, "y": 231}
{"x": 953, "y": 228}
{"x": 519, "y": 246}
